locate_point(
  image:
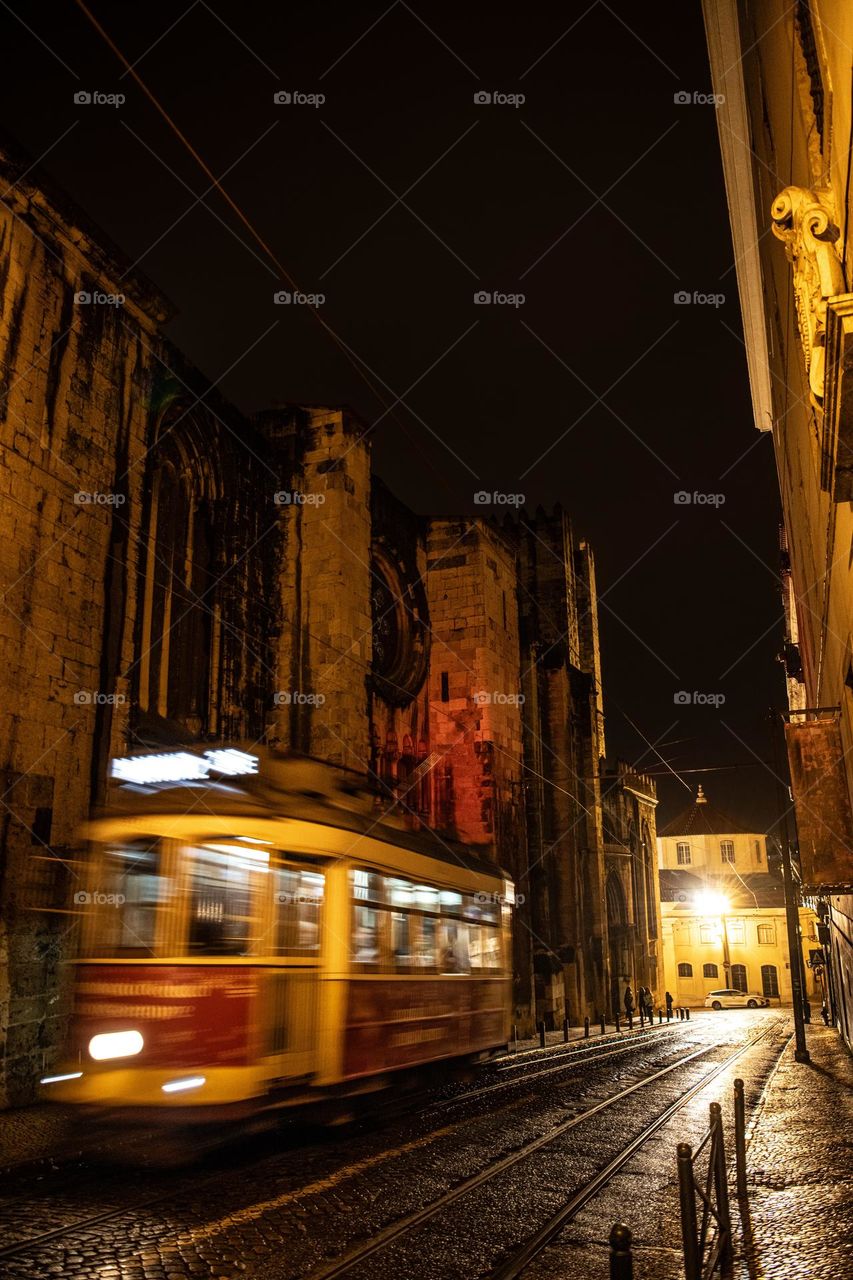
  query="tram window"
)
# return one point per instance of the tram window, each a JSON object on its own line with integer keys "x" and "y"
{"x": 401, "y": 946}
{"x": 426, "y": 941}
{"x": 127, "y": 900}
{"x": 485, "y": 947}
{"x": 426, "y": 898}
{"x": 451, "y": 903}
{"x": 400, "y": 892}
{"x": 454, "y": 955}
{"x": 483, "y": 906}
{"x": 220, "y": 902}
{"x": 298, "y": 898}
{"x": 366, "y": 937}
{"x": 416, "y": 927}
{"x": 367, "y": 886}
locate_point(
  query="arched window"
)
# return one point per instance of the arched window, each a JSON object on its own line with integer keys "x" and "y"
{"x": 617, "y": 908}
{"x": 178, "y": 599}
{"x": 650, "y": 872}
{"x": 769, "y": 980}
{"x": 710, "y": 971}
{"x": 638, "y": 881}
{"x": 685, "y": 971}
{"x": 739, "y": 977}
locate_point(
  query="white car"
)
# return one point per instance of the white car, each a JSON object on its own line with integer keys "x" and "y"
{"x": 728, "y": 999}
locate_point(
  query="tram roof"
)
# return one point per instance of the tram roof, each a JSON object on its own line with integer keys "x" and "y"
{"x": 300, "y": 788}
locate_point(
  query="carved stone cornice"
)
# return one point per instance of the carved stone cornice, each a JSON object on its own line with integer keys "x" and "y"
{"x": 804, "y": 221}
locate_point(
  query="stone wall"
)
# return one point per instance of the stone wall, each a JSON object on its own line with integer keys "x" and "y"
{"x": 635, "y": 934}
{"x": 476, "y": 710}
{"x": 324, "y": 649}
{"x": 173, "y": 573}
{"x": 563, "y": 744}
{"x": 76, "y": 374}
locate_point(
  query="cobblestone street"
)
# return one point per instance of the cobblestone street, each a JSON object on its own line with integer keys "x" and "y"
{"x": 454, "y": 1187}
{"x": 800, "y": 1168}
{"x": 426, "y": 640}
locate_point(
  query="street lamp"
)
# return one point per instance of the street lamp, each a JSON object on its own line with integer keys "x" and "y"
{"x": 710, "y": 903}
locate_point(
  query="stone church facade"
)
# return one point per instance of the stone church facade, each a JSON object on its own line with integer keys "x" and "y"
{"x": 173, "y": 572}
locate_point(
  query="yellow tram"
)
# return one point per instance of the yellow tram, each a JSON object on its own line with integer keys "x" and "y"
{"x": 255, "y": 937}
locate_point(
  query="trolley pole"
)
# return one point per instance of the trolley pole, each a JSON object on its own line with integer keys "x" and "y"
{"x": 792, "y": 913}
{"x": 795, "y": 951}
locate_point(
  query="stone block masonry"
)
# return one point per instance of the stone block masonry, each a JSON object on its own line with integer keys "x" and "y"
{"x": 174, "y": 574}
{"x": 75, "y": 378}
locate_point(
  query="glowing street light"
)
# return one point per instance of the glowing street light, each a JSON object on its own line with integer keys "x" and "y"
{"x": 710, "y": 903}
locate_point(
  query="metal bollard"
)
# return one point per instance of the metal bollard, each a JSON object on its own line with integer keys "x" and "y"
{"x": 618, "y": 1023}
{"x": 668, "y": 1012}
{"x": 630, "y": 1019}
{"x": 621, "y": 1257}
{"x": 721, "y": 1181}
{"x": 687, "y": 1201}
{"x": 565, "y": 1031}
{"x": 541, "y": 1035}
{"x": 740, "y": 1140}
{"x": 602, "y": 1024}
{"x": 586, "y": 1028}
{"x": 687, "y": 1014}
{"x": 515, "y": 1037}
{"x": 660, "y": 1017}
{"x": 642, "y": 1017}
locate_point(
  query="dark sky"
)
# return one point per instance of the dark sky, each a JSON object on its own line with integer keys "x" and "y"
{"x": 398, "y": 198}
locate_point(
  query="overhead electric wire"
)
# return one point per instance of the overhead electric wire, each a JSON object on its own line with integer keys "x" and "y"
{"x": 352, "y": 358}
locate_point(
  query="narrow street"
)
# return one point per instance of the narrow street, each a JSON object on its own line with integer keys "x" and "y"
{"x": 541, "y": 1151}
{"x": 426, "y": 640}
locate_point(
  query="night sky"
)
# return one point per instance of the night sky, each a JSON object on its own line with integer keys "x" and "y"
{"x": 598, "y": 198}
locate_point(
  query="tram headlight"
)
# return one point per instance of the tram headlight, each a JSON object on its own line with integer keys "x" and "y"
{"x": 179, "y": 1086}
{"x": 115, "y": 1044}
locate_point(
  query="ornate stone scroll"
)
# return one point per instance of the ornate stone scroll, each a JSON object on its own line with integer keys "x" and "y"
{"x": 803, "y": 221}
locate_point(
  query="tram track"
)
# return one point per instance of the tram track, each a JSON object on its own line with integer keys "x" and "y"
{"x": 568, "y": 1060}
{"x": 523, "y": 1057}
{"x": 534, "y": 1244}
{"x": 564, "y": 1056}
{"x": 571, "y": 1058}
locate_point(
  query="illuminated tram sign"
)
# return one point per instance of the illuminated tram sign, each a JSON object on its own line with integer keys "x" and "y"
{"x": 182, "y": 766}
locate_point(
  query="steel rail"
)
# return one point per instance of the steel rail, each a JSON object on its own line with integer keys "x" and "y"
{"x": 567, "y": 1061}
{"x": 535, "y": 1244}
{"x": 399, "y": 1112}
{"x": 34, "y": 1242}
{"x": 354, "y": 1257}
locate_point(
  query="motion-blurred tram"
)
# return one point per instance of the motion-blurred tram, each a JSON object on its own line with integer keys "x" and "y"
{"x": 255, "y": 937}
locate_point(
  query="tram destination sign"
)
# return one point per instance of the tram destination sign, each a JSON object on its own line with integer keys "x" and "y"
{"x": 176, "y": 767}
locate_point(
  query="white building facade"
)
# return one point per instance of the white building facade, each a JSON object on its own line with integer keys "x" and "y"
{"x": 723, "y": 911}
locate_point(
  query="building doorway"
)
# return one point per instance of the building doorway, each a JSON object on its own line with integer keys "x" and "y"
{"x": 617, "y": 934}
{"x": 770, "y": 980}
